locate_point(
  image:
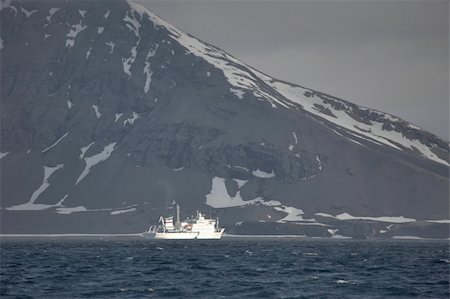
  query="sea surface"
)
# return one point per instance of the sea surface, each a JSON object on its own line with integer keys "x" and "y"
{"x": 227, "y": 268}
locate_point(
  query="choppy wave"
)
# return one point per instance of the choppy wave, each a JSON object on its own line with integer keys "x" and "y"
{"x": 111, "y": 268}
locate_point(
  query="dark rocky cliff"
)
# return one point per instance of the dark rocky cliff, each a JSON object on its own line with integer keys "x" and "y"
{"x": 109, "y": 114}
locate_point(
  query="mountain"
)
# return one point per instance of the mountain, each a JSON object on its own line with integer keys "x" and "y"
{"x": 109, "y": 115}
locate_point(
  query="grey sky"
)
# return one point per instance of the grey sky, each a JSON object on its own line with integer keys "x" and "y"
{"x": 387, "y": 55}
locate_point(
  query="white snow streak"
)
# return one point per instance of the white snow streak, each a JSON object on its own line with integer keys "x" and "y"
{"x": 88, "y": 53}
{"x": 57, "y": 141}
{"x": 439, "y": 221}
{"x": 85, "y": 149}
{"x": 147, "y": 71}
{"x": 95, "y": 159}
{"x": 134, "y": 26}
{"x": 97, "y": 113}
{"x": 106, "y": 15}
{"x": 2, "y": 155}
{"x": 26, "y": 12}
{"x": 71, "y": 210}
{"x": 117, "y": 116}
{"x": 389, "y": 219}
{"x": 319, "y": 162}
{"x": 100, "y": 30}
{"x": 262, "y": 174}
{"x": 123, "y": 211}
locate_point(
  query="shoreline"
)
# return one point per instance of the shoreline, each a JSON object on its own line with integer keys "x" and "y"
{"x": 225, "y": 236}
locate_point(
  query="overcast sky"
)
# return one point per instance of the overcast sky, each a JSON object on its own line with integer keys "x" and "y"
{"x": 388, "y": 55}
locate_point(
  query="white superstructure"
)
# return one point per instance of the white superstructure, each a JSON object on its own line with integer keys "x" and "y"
{"x": 199, "y": 227}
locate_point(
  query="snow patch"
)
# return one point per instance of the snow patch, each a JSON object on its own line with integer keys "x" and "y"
{"x": 73, "y": 32}
{"x": 133, "y": 25}
{"x": 26, "y": 12}
{"x": 82, "y": 13}
{"x": 319, "y": 162}
{"x": 178, "y": 169}
{"x": 293, "y": 214}
{"x": 95, "y": 159}
{"x": 262, "y": 174}
{"x": 148, "y": 77}
{"x": 111, "y": 44}
{"x": 51, "y": 12}
{"x": 55, "y": 143}
{"x": 295, "y": 137}
{"x": 238, "y": 92}
{"x": 219, "y": 198}
{"x": 132, "y": 119}
{"x": 106, "y": 15}
{"x": 240, "y": 183}
{"x": 88, "y": 53}
{"x": 2, "y": 155}
{"x": 147, "y": 71}
{"x": 97, "y": 113}
{"x": 100, "y": 30}
{"x": 128, "y": 62}
{"x": 70, "y": 43}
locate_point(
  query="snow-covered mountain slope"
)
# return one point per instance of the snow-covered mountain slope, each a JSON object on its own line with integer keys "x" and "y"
{"x": 109, "y": 114}
{"x": 360, "y": 122}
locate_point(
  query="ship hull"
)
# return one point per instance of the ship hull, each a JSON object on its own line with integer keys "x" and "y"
{"x": 173, "y": 236}
{"x": 210, "y": 235}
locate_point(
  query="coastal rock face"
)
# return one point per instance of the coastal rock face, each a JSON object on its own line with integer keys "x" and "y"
{"x": 109, "y": 115}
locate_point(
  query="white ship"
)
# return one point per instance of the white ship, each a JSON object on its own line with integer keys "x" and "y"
{"x": 192, "y": 228}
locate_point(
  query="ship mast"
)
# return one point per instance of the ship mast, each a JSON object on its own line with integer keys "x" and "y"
{"x": 177, "y": 223}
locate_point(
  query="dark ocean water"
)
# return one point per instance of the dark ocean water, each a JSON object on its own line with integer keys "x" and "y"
{"x": 112, "y": 268}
